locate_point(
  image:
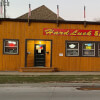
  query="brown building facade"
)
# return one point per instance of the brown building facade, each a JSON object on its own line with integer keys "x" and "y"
{"x": 42, "y": 44}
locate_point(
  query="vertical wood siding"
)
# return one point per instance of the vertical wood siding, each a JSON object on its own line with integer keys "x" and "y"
{"x": 21, "y": 31}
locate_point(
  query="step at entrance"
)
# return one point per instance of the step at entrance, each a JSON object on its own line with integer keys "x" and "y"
{"x": 37, "y": 69}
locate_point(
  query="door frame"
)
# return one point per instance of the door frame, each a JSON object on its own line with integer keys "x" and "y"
{"x": 37, "y": 40}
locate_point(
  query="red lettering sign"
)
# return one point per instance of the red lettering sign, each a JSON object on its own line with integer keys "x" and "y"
{"x": 70, "y": 32}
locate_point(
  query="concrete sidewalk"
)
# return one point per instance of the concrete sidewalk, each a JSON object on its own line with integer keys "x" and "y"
{"x": 55, "y": 84}
{"x": 49, "y": 73}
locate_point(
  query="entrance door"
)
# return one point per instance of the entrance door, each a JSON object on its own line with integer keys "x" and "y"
{"x": 39, "y": 54}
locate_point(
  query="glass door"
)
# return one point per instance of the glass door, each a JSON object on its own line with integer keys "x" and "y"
{"x": 39, "y": 54}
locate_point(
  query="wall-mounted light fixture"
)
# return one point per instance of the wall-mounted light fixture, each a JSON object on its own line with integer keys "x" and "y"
{"x": 39, "y": 42}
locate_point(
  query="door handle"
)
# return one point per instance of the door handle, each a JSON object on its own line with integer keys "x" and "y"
{"x": 47, "y": 52}
{"x": 28, "y": 52}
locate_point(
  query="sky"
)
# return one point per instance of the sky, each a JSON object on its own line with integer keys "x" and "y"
{"x": 68, "y": 9}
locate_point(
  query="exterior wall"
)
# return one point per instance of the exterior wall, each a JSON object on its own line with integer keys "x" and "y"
{"x": 21, "y": 31}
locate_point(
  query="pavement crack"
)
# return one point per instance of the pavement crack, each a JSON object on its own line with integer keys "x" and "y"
{"x": 52, "y": 93}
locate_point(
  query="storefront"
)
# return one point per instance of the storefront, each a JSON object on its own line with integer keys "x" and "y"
{"x": 43, "y": 45}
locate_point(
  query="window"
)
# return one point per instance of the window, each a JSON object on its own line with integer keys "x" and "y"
{"x": 72, "y": 49}
{"x": 10, "y": 46}
{"x": 99, "y": 49}
{"x": 88, "y": 49}
{"x": 83, "y": 48}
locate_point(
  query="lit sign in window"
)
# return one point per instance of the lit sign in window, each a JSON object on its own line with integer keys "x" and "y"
{"x": 10, "y": 46}
{"x": 88, "y": 49}
{"x": 72, "y": 49}
{"x": 72, "y": 45}
{"x": 39, "y": 47}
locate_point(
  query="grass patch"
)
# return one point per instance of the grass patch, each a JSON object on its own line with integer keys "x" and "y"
{"x": 48, "y": 78}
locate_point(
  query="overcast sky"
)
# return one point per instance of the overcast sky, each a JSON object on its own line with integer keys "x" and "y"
{"x": 69, "y": 9}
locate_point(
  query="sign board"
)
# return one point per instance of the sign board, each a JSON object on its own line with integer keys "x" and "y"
{"x": 88, "y": 47}
{"x": 71, "y": 32}
{"x": 60, "y": 54}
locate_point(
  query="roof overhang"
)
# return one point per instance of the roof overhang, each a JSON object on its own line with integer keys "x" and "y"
{"x": 51, "y": 21}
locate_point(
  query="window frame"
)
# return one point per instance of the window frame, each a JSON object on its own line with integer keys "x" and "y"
{"x": 88, "y": 50}
{"x": 5, "y": 53}
{"x": 96, "y": 48}
{"x": 72, "y": 49}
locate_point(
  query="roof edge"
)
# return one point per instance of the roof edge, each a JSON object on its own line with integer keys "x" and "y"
{"x": 50, "y": 21}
